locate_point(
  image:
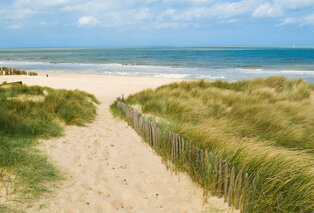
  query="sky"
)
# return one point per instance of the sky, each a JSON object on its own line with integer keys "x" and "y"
{"x": 85, "y": 23}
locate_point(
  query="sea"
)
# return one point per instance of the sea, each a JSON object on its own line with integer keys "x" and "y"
{"x": 211, "y": 63}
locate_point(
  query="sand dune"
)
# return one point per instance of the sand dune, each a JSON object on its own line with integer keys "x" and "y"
{"x": 108, "y": 167}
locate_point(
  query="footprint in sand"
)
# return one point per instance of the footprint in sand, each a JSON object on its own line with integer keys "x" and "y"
{"x": 97, "y": 143}
{"x": 86, "y": 185}
{"x": 124, "y": 166}
{"x": 106, "y": 154}
{"x": 91, "y": 155}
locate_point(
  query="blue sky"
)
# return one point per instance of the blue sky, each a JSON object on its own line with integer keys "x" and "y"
{"x": 71, "y": 23}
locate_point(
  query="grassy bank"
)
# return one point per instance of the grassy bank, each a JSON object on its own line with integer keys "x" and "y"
{"x": 28, "y": 114}
{"x": 264, "y": 127}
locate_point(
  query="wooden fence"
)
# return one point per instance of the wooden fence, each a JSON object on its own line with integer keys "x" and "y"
{"x": 12, "y": 71}
{"x": 222, "y": 180}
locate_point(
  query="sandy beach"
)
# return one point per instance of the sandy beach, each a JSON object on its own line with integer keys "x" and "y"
{"x": 107, "y": 166}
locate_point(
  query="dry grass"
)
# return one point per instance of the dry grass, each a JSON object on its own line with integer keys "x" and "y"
{"x": 27, "y": 114}
{"x": 264, "y": 127}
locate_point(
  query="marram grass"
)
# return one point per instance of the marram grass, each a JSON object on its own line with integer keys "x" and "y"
{"x": 262, "y": 126}
{"x": 28, "y": 113}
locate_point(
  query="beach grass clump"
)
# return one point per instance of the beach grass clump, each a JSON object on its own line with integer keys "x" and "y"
{"x": 29, "y": 113}
{"x": 263, "y": 127}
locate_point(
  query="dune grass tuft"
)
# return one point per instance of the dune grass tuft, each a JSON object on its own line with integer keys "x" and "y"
{"x": 23, "y": 168}
{"x": 262, "y": 126}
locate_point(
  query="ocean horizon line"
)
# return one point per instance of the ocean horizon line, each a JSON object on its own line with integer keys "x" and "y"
{"x": 159, "y": 46}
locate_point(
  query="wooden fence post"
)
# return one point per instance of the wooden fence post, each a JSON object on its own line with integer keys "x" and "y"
{"x": 153, "y": 135}
{"x": 239, "y": 187}
{"x": 189, "y": 150}
{"x": 226, "y": 181}
{"x": 176, "y": 145}
{"x": 157, "y": 136}
{"x": 173, "y": 147}
{"x": 216, "y": 176}
{"x": 183, "y": 143}
{"x": 197, "y": 157}
{"x": 170, "y": 143}
{"x": 231, "y": 187}
{"x": 246, "y": 198}
{"x": 148, "y": 131}
{"x": 220, "y": 180}
{"x": 179, "y": 146}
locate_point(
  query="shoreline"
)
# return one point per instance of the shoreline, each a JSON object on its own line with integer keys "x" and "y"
{"x": 61, "y": 73}
{"x": 284, "y": 73}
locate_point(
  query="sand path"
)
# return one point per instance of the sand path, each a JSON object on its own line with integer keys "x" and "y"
{"x": 108, "y": 167}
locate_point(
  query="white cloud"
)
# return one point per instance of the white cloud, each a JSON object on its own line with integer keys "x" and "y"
{"x": 232, "y": 9}
{"x": 171, "y": 25}
{"x": 41, "y": 3}
{"x": 16, "y": 15}
{"x": 301, "y": 21}
{"x": 91, "y": 6}
{"x": 143, "y": 13}
{"x": 233, "y": 20}
{"x": 267, "y": 10}
{"x": 14, "y": 27}
{"x": 288, "y": 21}
{"x": 294, "y": 4}
{"x": 188, "y": 1}
{"x": 87, "y": 20}
{"x": 308, "y": 20}
{"x": 128, "y": 14}
{"x": 220, "y": 11}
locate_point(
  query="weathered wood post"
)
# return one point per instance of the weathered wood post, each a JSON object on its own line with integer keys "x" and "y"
{"x": 151, "y": 134}
{"x": 170, "y": 143}
{"x": 246, "y": 196}
{"x": 176, "y": 146}
{"x": 216, "y": 175}
{"x": 182, "y": 145}
{"x": 179, "y": 146}
{"x": 231, "y": 187}
{"x": 173, "y": 147}
{"x": 190, "y": 151}
{"x": 220, "y": 180}
{"x": 197, "y": 157}
{"x": 146, "y": 131}
{"x": 157, "y": 136}
{"x": 239, "y": 187}
{"x": 226, "y": 181}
